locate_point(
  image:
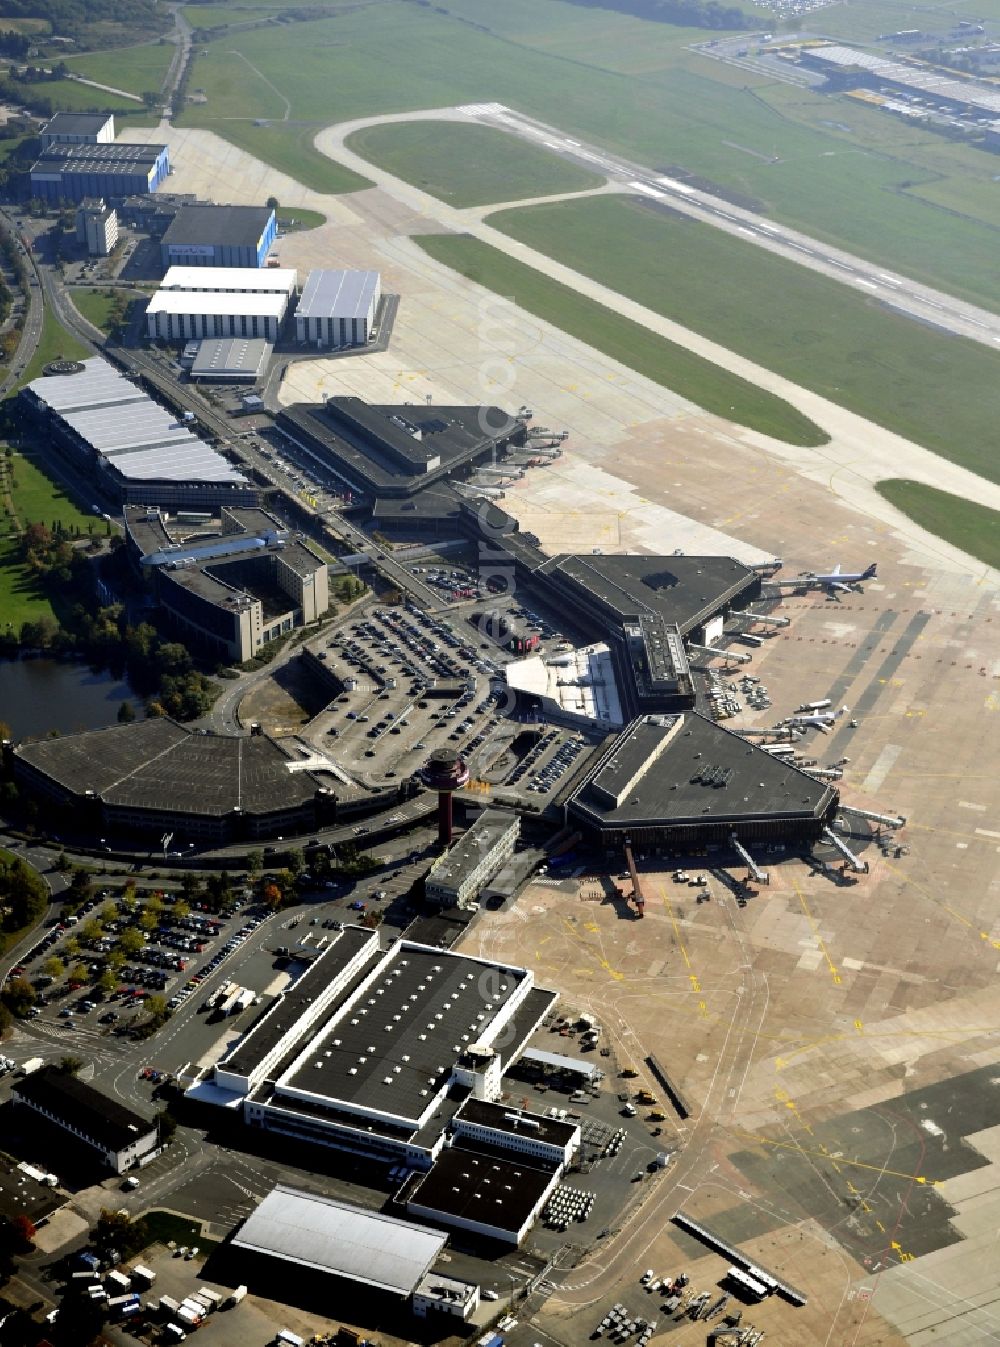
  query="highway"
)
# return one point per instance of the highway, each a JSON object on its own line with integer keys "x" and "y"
{"x": 893, "y": 289}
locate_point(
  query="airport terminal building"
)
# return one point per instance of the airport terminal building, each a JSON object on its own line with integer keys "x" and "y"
{"x": 678, "y": 783}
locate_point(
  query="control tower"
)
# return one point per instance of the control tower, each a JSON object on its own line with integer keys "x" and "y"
{"x": 445, "y": 772}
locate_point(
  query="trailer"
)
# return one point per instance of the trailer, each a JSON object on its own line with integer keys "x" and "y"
{"x": 144, "y": 1272}
{"x": 169, "y": 1305}
{"x": 243, "y": 1001}
{"x": 212, "y": 1299}
{"x": 32, "y": 1064}
{"x": 225, "y": 1007}
{"x": 234, "y": 1297}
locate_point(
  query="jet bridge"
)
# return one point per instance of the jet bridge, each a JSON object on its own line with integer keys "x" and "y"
{"x": 858, "y": 866}
{"x": 887, "y": 820}
{"x": 733, "y": 656}
{"x": 761, "y": 876}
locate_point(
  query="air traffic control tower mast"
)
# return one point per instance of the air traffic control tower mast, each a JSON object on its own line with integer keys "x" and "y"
{"x": 445, "y": 772}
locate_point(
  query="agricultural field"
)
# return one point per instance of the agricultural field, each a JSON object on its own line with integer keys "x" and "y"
{"x": 468, "y": 165}
{"x": 972, "y": 527}
{"x": 940, "y": 391}
{"x": 673, "y": 367}
{"x": 135, "y": 69}
{"x": 630, "y": 85}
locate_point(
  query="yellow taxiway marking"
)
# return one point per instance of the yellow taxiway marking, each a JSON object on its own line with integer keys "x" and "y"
{"x": 821, "y": 943}
{"x": 838, "y": 1160}
{"x": 692, "y": 975}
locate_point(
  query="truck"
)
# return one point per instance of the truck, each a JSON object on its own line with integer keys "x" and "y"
{"x": 32, "y": 1064}
{"x": 243, "y": 1001}
{"x": 227, "y": 1006}
{"x": 145, "y": 1273}
{"x": 211, "y": 1299}
{"x": 169, "y": 1305}
{"x": 234, "y": 1298}
{"x": 88, "y": 1260}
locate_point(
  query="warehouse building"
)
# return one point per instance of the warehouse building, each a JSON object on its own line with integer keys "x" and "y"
{"x": 338, "y": 308}
{"x": 119, "y": 1136}
{"x": 482, "y": 1194}
{"x": 235, "y": 593}
{"x": 458, "y": 877}
{"x": 230, "y": 359}
{"x": 96, "y": 226}
{"x": 71, "y": 172}
{"x": 157, "y": 776}
{"x": 219, "y": 236}
{"x": 179, "y": 315}
{"x": 136, "y": 449}
{"x": 232, "y": 280}
{"x": 78, "y": 128}
{"x": 678, "y": 783}
{"x": 359, "y": 1253}
{"x": 374, "y": 1051}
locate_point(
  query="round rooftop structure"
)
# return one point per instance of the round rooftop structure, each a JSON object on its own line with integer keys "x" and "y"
{"x": 63, "y": 367}
{"x": 445, "y": 770}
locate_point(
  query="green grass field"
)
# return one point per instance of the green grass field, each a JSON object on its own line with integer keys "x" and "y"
{"x": 469, "y": 165}
{"x": 135, "y": 69}
{"x": 40, "y": 500}
{"x": 632, "y": 86}
{"x": 95, "y": 305}
{"x": 54, "y": 343}
{"x": 69, "y": 96}
{"x": 21, "y": 598}
{"x": 290, "y": 149}
{"x": 939, "y": 391}
{"x": 672, "y": 366}
{"x": 296, "y": 219}
{"x": 972, "y": 527}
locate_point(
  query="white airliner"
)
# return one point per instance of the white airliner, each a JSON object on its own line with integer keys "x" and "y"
{"x": 818, "y": 720}
{"x": 838, "y": 580}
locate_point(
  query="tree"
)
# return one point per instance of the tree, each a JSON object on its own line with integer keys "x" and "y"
{"x": 79, "y": 973}
{"x": 272, "y": 203}
{"x": 148, "y": 921}
{"x": 116, "y": 1230}
{"x": 273, "y": 896}
{"x": 107, "y": 982}
{"x": 116, "y": 960}
{"x": 53, "y": 966}
{"x": 71, "y": 946}
{"x": 181, "y": 909}
{"x": 255, "y": 863}
{"x": 18, "y": 996}
{"x": 70, "y": 1064}
{"x": 91, "y": 931}
{"x": 130, "y": 942}
{"x": 167, "y": 1124}
{"x": 79, "y": 886}
{"x": 295, "y": 862}
{"x": 125, "y": 714}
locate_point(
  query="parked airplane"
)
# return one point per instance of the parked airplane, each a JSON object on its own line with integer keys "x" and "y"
{"x": 837, "y": 579}
{"x": 818, "y": 720}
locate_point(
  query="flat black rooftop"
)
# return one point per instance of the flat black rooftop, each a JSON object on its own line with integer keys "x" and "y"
{"x": 285, "y": 1013}
{"x": 393, "y": 1049}
{"x": 685, "y": 769}
{"x": 376, "y": 447}
{"x": 98, "y": 156}
{"x": 516, "y": 1122}
{"x": 238, "y": 226}
{"x": 159, "y": 765}
{"x": 682, "y": 590}
{"x": 478, "y": 1187}
{"x": 93, "y": 1113}
{"x": 22, "y": 1195}
{"x": 77, "y": 123}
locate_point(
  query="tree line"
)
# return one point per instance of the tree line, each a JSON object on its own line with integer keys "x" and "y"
{"x": 684, "y": 13}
